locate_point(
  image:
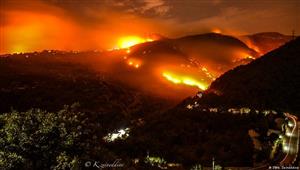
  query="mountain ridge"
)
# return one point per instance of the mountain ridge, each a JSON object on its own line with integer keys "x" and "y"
{"x": 271, "y": 81}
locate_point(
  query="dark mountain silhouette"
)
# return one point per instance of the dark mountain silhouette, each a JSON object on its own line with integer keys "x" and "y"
{"x": 271, "y": 81}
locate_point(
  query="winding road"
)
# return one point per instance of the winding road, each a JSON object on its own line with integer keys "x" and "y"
{"x": 291, "y": 144}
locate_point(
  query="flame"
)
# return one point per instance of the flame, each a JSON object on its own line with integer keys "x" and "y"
{"x": 182, "y": 79}
{"x": 252, "y": 46}
{"x": 129, "y": 41}
{"x": 208, "y": 74}
{"x": 250, "y": 57}
{"x": 255, "y": 48}
{"x": 134, "y": 62}
{"x": 216, "y": 30}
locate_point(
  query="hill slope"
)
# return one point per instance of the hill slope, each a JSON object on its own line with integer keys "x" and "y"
{"x": 271, "y": 81}
{"x": 39, "y": 81}
{"x": 267, "y": 41}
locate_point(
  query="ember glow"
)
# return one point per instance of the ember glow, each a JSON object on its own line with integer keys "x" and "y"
{"x": 136, "y": 63}
{"x": 216, "y": 30}
{"x": 252, "y": 46}
{"x": 183, "y": 79}
{"x": 208, "y": 74}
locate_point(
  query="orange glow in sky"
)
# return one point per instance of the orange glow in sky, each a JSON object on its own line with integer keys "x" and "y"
{"x": 36, "y": 31}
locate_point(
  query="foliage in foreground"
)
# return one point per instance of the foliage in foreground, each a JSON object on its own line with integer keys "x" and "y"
{"x": 37, "y": 139}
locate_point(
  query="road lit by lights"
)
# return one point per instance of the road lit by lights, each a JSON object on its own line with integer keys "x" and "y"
{"x": 290, "y": 124}
{"x": 288, "y": 148}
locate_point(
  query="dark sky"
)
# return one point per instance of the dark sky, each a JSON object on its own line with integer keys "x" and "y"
{"x": 173, "y": 18}
{"x": 240, "y": 15}
{"x": 249, "y": 16}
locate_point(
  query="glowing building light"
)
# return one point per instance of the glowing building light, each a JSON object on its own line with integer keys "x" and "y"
{"x": 289, "y": 134}
{"x": 121, "y": 134}
{"x": 189, "y": 107}
{"x": 290, "y": 124}
{"x": 286, "y": 148}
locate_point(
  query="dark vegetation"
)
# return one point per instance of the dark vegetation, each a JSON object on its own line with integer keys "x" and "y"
{"x": 45, "y": 83}
{"x": 193, "y": 136}
{"x": 38, "y": 139}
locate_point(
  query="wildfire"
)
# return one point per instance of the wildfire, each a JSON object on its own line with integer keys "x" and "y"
{"x": 128, "y": 41}
{"x": 134, "y": 63}
{"x": 250, "y": 57}
{"x": 216, "y": 30}
{"x": 186, "y": 80}
{"x": 208, "y": 74}
{"x": 252, "y": 46}
{"x": 255, "y": 48}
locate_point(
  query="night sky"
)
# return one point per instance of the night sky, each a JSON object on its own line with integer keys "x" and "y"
{"x": 99, "y": 23}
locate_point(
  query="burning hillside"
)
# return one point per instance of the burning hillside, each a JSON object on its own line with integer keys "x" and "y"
{"x": 180, "y": 66}
{"x": 171, "y": 68}
{"x": 128, "y": 47}
{"x": 266, "y": 41}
